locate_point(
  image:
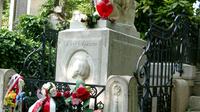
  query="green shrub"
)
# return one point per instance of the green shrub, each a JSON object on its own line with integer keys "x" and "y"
{"x": 14, "y": 48}
{"x": 38, "y": 29}
{"x": 31, "y": 26}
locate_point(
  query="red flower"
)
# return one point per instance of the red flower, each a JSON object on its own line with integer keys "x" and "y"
{"x": 58, "y": 94}
{"x": 104, "y": 8}
{"x": 81, "y": 93}
{"x": 66, "y": 94}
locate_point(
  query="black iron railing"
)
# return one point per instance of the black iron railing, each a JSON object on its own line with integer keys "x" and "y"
{"x": 165, "y": 53}
{"x": 32, "y": 86}
{"x": 40, "y": 63}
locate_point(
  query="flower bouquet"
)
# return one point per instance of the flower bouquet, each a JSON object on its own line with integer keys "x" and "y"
{"x": 79, "y": 99}
{"x": 14, "y": 95}
{"x": 53, "y": 100}
{"x": 9, "y": 99}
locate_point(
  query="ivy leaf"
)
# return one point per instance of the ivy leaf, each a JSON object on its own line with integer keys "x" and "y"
{"x": 87, "y": 110}
{"x": 78, "y": 83}
{"x": 68, "y": 100}
{"x": 145, "y": 9}
{"x": 86, "y": 103}
{"x": 174, "y": 5}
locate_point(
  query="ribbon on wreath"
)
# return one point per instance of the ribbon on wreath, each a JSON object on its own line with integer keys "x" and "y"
{"x": 46, "y": 103}
{"x": 14, "y": 88}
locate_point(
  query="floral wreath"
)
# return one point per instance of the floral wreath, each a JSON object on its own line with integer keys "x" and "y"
{"x": 52, "y": 100}
{"x": 14, "y": 93}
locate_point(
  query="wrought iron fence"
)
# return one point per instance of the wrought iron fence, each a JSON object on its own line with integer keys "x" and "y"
{"x": 33, "y": 85}
{"x": 40, "y": 63}
{"x": 165, "y": 52}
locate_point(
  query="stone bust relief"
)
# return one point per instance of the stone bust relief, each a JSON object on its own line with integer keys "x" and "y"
{"x": 79, "y": 68}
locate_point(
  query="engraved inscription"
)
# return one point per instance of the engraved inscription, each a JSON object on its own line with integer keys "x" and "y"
{"x": 81, "y": 43}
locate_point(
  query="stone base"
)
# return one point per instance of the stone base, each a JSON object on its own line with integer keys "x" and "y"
{"x": 194, "y": 104}
{"x": 121, "y": 94}
{"x": 189, "y": 73}
{"x": 123, "y": 28}
{"x": 196, "y": 89}
{"x": 106, "y": 51}
{"x": 180, "y": 95}
{"x": 119, "y": 27}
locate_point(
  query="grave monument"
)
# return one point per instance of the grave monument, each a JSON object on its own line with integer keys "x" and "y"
{"x": 121, "y": 94}
{"x": 95, "y": 54}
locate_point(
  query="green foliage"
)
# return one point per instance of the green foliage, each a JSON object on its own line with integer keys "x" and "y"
{"x": 161, "y": 12}
{"x": 18, "y": 44}
{"x": 81, "y": 5}
{"x": 14, "y": 48}
{"x": 171, "y": 7}
{"x": 5, "y": 15}
{"x": 34, "y": 27}
{"x": 47, "y": 8}
{"x": 31, "y": 26}
{"x": 198, "y": 12}
{"x": 68, "y": 7}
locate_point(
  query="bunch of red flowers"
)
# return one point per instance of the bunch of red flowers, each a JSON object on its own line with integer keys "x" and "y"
{"x": 80, "y": 95}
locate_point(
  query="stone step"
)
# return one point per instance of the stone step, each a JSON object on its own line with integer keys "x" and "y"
{"x": 194, "y": 104}
{"x": 197, "y": 78}
{"x": 196, "y": 88}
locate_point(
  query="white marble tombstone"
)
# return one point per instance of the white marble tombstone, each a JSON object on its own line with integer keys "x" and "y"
{"x": 121, "y": 94}
{"x": 104, "y": 51}
{"x": 110, "y": 48}
{"x": 5, "y": 75}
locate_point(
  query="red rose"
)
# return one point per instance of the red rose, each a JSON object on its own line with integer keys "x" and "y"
{"x": 104, "y": 8}
{"x": 106, "y": 1}
{"x": 66, "y": 94}
{"x": 82, "y": 93}
{"x": 74, "y": 95}
{"x": 58, "y": 94}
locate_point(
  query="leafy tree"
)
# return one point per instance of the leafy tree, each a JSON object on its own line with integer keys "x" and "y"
{"x": 198, "y": 12}
{"x": 47, "y": 8}
{"x": 82, "y": 5}
{"x": 5, "y": 15}
{"x": 32, "y": 26}
{"x": 37, "y": 28}
{"x": 14, "y": 48}
{"x": 161, "y": 12}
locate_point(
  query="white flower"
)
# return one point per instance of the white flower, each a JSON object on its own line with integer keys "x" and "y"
{"x": 50, "y": 88}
